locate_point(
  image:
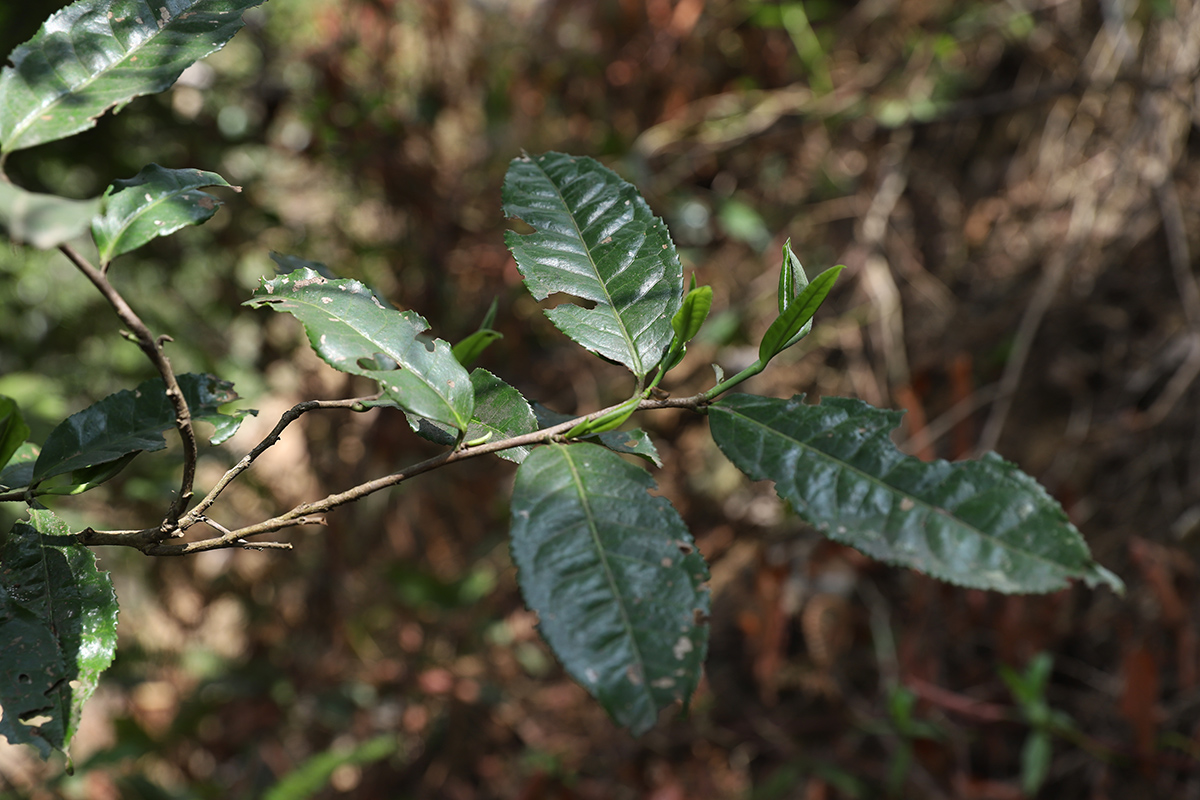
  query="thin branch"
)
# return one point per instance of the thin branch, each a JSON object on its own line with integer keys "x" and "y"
{"x": 288, "y": 417}
{"x": 149, "y": 542}
{"x": 154, "y": 351}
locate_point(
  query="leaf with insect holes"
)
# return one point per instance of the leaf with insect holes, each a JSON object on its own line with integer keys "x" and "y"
{"x": 981, "y": 524}
{"x": 155, "y": 202}
{"x": 595, "y": 238}
{"x": 614, "y": 578}
{"x": 98, "y": 54}
{"x": 353, "y": 332}
{"x": 58, "y": 620}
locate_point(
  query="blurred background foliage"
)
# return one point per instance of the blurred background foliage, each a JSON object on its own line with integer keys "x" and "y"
{"x": 1013, "y": 188}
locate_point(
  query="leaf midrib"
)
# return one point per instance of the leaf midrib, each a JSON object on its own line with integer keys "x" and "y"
{"x": 577, "y": 480}
{"x": 915, "y": 499}
{"x": 629, "y": 342}
{"x": 385, "y": 347}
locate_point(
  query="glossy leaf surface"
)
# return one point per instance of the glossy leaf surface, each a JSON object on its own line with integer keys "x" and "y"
{"x": 155, "y": 202}
{"x": 133, "y": 420}
{"x": 19, "y": 471}
{"x": 43, "y": 220}
{"x": 614, "y": 578}
{"x": 982, "y": 524}
{"x": 596, "y": 239}
{"x": 500, "y": 413}
{"x": 353, "y": 332}
{"x": 96, "y": 54}
{"x": 58, "y": 619}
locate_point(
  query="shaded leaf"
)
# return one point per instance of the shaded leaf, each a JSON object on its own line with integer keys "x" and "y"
{"x": 155, "y": 202}
{"x": 614, "y": 578}
{"x": 43, "y": 220}
{"x": 352, "y": 331}
{"x": 635, "y": 442}
{"x": 96, "y": 54}
{"x": 983, "y": 524}
{"x": 58, "y": 618}
{"x": 133, "y": 420}
{"x": 19, "y": 471}
{"x": 13, "y": 430}
{"x": 88, "y": 478}
{"x": 595, "y": 238}
{"x": 500, "y": 411}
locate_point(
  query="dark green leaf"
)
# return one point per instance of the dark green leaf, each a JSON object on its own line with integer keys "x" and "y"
{"x": 130, "y": 421}
{"x": 635, "y": 442}
{"x": 13, "y": 430}
{"x": 614, "y": 578}
{"x": 983, "y": 524}
{"x": 43, "y": 220}
{"x": 597, "y": 239}
{"x": 789, "y": 326}
{"x": 82, "y": 480}
{"x": 352, "y": 331}
{"x": 58, "y": 618}
{"x": 155, "y": 202}
{"x": 500, "y": 411}
{"x": 96, "y": 54}
{"x": 19, "y": 471}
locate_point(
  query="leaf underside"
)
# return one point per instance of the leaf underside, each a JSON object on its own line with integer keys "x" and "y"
{"x": 614, "y": 578}
{"x": 133, "y": 420}
{"x": 595, "y": 238}
{"x": 96, "y": 54}
{"x": 58, "y": 617}
{"x": 353, "y": 332}
{"x": 982, "y": 524}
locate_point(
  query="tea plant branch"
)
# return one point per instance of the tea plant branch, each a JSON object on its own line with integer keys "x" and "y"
{"x": 149, "y": 542}
{"x": 287, "y": 418}
{"x": 153, "y": 348}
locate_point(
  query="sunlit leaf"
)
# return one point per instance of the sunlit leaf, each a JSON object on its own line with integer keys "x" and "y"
{"x": 155, "y": 202}
{"x": 983, "y": 524}
{"x": 130, "y": 421}
{"x": 595, "y": 238}
{"x": 614, "y": 578}
{"x": 353, "y": 332}
{"x": 58, "y": 618}
{"x": 96, "y": 54}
